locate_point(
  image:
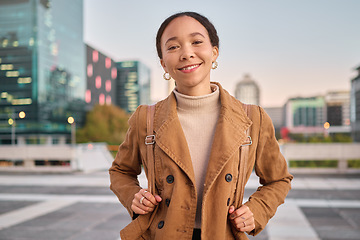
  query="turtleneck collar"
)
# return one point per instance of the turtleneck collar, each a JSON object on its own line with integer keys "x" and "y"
{"x": 202, "y": 103}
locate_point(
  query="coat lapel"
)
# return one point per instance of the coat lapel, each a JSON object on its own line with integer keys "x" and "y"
{"x": 170, "y": 136}
{"x": 229, "y": 135}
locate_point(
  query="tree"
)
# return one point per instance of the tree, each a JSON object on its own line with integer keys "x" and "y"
{"x": 104, "y": 123}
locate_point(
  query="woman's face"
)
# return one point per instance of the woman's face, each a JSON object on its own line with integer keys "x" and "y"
{"x": 188, "y": 55}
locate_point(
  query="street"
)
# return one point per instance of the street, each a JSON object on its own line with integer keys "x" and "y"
{"x": 81, "y": 206}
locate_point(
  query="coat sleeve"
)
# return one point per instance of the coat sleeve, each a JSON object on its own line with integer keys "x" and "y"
{"x": 127, "y": 165}
{"x": 271, "y": 168}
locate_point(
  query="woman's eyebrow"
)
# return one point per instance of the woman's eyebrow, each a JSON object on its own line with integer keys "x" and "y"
{"x": 196, "y": 33}
{"x": 191, "y": 34}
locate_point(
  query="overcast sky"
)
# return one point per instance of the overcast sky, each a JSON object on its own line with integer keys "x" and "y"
{"x": 289, "y": 47}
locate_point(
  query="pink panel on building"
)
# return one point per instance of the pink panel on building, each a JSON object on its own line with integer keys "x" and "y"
{"x": 113, "y": 73}
{"x": 108, "y": 100}
{"x": 95, "y": 56}
{"x": 90, "y": 70}
{"x": 101, "y": 99}
{"x": 108, "y": 85}
{"x": 98, "y": 82}
{"x": 107, "y": 62}
{"x": 88, "y": 96}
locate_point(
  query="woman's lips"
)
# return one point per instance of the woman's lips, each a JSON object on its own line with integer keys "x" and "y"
{"x": 189, "y": 68}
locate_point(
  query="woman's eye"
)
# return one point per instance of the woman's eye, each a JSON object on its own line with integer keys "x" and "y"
{"x": 197, "y": 42}
{"x": 172, "y": 48}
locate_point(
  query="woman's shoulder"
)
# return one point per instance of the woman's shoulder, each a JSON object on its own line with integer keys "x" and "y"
{"x": 140, "y": 114}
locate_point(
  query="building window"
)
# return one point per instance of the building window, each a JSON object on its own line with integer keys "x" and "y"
{"x": 88, "y": 96}
{"x": 101, "y": 99}
{"x": 108, "y": 85}
{"x": 107, "y": 62}
{"x": 90, "y": 70}
{"x": 95, "y": 56}
{"x": 98, "y": 82}
{"x": 113, "y": 73}
{"x": 108, "y": 100}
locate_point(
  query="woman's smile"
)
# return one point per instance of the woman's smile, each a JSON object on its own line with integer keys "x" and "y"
{"x": 189, "y": 68}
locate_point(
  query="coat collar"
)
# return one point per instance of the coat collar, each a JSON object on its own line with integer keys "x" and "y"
{"x": 229, "y": 134}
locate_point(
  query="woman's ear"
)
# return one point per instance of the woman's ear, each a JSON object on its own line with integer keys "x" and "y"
{"x": 163, "y": 65}
{"x": 215, "y": 53}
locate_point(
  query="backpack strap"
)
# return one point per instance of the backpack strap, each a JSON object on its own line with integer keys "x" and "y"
{"x": 150, "y": 141}
{"x": 243, "y": 159}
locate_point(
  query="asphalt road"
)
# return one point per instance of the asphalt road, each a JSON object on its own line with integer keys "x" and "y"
{"x": 82, "y": 207}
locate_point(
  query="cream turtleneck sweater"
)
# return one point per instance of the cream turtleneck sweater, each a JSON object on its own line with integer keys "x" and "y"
{"x": 198, "y": 116}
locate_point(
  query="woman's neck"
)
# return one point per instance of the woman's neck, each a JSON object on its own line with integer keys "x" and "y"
{"x": 198, "y": 90}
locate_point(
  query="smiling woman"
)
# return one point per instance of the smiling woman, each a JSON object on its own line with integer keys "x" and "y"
{"x": 206, "y": 144}
{"x": 188, "y": 55}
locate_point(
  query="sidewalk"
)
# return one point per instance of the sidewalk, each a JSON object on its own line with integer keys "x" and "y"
{"x": 81, "y": 206}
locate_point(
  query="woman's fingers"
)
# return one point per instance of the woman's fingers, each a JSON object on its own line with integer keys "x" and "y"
{"x": 149, "y": 199}
{"x": 242, "y": 218}
{"x": 144, "y": 202}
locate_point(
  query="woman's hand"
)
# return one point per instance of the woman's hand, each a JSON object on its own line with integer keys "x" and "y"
{"x": 144, "y": 202}
{"x": 242, "y": 218}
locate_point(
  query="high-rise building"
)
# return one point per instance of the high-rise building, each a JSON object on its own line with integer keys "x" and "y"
{"x": 277, "y": 117}
{"x": 101, "y": 78}
{"x": 132, "y": 85}
{"x": 305, "y": 115}
{"x": 355, "y": 107}
{"x": 42, "y": 69}
{"x": 338, "y": 111}
{"x": 248, "y": 91}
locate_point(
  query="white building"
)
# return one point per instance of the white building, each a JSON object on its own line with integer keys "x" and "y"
{"x": 247, "y": 91}
{"x": 355, "y": 107}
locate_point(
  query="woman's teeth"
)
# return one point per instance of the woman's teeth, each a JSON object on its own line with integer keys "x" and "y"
{"x": 190, "y": 67}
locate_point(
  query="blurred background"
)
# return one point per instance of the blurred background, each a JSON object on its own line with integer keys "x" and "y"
{"x": 73, "y": 71}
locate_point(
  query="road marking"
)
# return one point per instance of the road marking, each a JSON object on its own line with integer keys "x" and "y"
{"x": 55, "y": 197}
{"x": 24, "y": 214}
{"x": 290, "y": 223}
{"x": 103, "y": 180}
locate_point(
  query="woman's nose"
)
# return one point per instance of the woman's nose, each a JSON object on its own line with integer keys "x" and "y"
{"x": 187, "y": 53}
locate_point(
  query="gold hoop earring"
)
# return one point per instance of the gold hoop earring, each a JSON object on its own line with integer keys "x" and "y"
{"x": 214, "y": 65}
{"x": 167, "y": 78}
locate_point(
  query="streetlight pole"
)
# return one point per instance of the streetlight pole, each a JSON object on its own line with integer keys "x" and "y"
{"x": 71, "y": 120}
{"x": 74, "y": 160}
{"x": 12, "y": 122}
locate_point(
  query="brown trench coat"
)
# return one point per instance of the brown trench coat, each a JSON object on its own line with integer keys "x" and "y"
{"x": 174, "y": 217}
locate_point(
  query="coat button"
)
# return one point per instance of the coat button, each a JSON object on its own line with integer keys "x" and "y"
{"x": 167, "y": 202}
{"x": 228, "y": 177}
{"x": 161, "y": 225}
{"x": 228, "y": 202}
{"x": 170, "y": 179}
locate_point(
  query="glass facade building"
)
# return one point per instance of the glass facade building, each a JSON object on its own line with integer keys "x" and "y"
{"x": 42, "y": 69}
{"x": 305, "y": 115}
{"x": 132, "y": 85}
{"x": 101, "y": 77}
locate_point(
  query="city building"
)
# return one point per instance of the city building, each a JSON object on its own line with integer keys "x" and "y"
{"x": 305, "y": 115}
{"x": 101, "y": 75}
{"x": 338, "y": 111}
{"x": 132, "y": 85}
{"x": 42, "y": 70}
{"x": 248, "y": 91}
{"x": 355, "y": 107}
{"x": 277, "y": 117}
